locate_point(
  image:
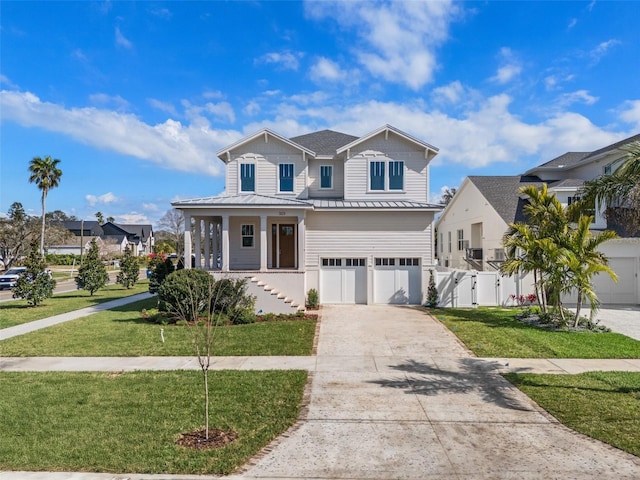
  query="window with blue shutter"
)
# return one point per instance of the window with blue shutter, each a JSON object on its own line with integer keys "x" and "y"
{"x": 376, "y": 175}
{"x": 247, "y": 177}
{"x": 286, "y": 177}
{"x": 396, "y": 175}
{"x": 326, "y": 176}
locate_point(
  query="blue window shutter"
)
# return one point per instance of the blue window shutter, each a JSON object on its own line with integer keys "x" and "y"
{"x": 247, "y": 177}
{"x": 396, "y": 175}
{"x": 286, "y": 177}
{"x": 326, "y": 172}
{"x": 376, "y": 174}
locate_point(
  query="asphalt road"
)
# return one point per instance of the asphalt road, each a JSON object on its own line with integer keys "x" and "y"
{"x": 62, "y": 286}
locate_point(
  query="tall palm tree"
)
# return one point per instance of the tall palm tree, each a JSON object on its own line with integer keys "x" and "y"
{"x": 46, "y": 175}
{"x": 619, "y": 191}
{"x": 583, "y": 261}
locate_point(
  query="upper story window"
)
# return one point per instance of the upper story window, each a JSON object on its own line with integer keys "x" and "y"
{"x": 247, "y": 177}
{"x": 326, "y": 177}
{"x": 286, "y": 177}
{"x": 379, "y": 180}
{"x": 460, "y": 239}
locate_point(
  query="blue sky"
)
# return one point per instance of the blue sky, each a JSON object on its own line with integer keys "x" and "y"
{"x": 135, "y": 98}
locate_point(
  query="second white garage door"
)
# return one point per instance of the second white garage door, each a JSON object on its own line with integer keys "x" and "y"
{"x": 625, "y": 291}
{"x": 343, "y": 280}
{"x": 397, "y": 280}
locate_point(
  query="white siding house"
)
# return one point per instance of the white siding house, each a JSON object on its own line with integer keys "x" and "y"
{"x": 345, "y": 215}
{"x": 479, "y": 214}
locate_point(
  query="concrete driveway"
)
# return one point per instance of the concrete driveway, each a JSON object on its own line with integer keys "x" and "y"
{"x": 621, "y": 319}
{"x": 395, "y": 395}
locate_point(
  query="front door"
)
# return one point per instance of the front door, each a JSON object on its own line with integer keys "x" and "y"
{"x": 287, "y": 244}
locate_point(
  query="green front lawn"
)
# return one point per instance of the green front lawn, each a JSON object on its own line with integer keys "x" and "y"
{"x": 123, "y": 332}
{"x": 602, "y": 405}
{"x": 102, "y": 422}
{"x": 494, "y": 332}
{"x": 17, "y": 312}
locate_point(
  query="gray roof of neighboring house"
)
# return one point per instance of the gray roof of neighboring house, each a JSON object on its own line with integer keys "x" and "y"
{"x": 324, "y": 142}
{"x": 566, "y": 183}
{"x": 502, "y": 192}
{"x": 613, "y": 146}
{"x": 568, "y": 159}
{"x": 141, "y": 230}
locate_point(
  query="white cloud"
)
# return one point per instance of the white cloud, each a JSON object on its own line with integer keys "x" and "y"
{"x": 572, "y": 23}
{"x": 4, "y": 80}
{"x": 287, "y": 60}
{"x": 212, "y": 94}
{"x": 170, "y": 144}
{"x": 397, "y": 39}
{"x": 326, "y": 70}
{"x": 162, "y": 106}
{"x": 150, "y": 207}
{"x": 510, "y": 68}
{"x": 164, "y": 13}
{"x": 251, "y": 108}
{"x": 121, "y": 40}
{"x": 602, "y": 49}
{"x": 579, "y": 96}
{"x": 103, "y": 99}
{"x": 132, "y": 218}
{"x": 104, "y": 199}
{"x": 631, "y": 113}
{"x": 451, "y": 93}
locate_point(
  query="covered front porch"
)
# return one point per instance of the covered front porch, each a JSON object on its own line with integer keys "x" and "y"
{"x": 241, "y": 240}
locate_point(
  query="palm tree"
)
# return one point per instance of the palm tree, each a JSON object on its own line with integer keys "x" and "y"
{"x": 583, "y": 261}
{"x": 619, "y": 191}
{"x": 46, "y": 175}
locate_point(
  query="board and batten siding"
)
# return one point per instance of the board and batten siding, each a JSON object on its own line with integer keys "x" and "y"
{"x": 416, "y": 173}
{"x": 267, "y": 157}
{"x": 338, "y": 179}
{"x": 360, "y": 234}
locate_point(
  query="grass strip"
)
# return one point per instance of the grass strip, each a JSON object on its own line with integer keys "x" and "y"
{"x": 129, "y": 422}
{"x": 602, "y": 405}
{"x": 123, "y": 332}
{"x": 494, "y": 332}
{"x": 17, "y": 312}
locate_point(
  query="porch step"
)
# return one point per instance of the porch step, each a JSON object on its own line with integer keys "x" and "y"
{"x": 273, "y": 296}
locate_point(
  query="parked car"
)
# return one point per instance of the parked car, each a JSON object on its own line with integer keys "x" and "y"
{"x": 9, "y": 278}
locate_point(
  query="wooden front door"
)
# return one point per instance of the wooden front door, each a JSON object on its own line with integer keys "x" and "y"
{"x": 287, "y": 245}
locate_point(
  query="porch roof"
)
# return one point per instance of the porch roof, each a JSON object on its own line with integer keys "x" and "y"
{"x": 242, "y": 200}
{"x": 340, "y": 204}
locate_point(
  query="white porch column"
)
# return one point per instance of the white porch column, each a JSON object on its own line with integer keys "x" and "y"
{"x": 215, "y": 245}
{"x": 225, "y": 243}
{"x": 187, "y": 240}
{"x": 301, "y": 243}
{"x": 263, "y": 243}
{"x": 198, "y": 242}
{"x": 207, "y": 243}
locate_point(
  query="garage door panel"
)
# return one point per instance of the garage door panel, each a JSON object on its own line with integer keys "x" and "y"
{"x": 622, "y": 292}
{"x": 343, "y": 284}
{"x": 397, "y": 284}
{"x": 331, "y": 290}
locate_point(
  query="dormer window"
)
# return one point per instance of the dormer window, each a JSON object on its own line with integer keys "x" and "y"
{"x": 380, "y": 181}
{"x": 607, "y": 169}
{"x": 326, "y": 177}
{"x": 247, "y": 177}
{"x": 286, "y": 177}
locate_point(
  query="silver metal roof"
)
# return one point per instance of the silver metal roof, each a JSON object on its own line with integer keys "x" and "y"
{"x": 371, "y": 204}
{"x": 242, "y": 200}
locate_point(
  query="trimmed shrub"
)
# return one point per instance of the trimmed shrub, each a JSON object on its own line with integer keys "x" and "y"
{"x": 159, "y": 271}
{"x": 312, "y": 298}
{"x": 186, "y": 294}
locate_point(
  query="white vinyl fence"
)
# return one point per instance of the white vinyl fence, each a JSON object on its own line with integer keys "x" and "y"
{"x": 468, "y": 288}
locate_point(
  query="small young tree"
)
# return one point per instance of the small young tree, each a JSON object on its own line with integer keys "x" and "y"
{"x": 160, "y": 269}
{"x": 92, "y": 275}
{"x": 36, "y": 283}
{"x": 432, "y": 292}
{"x": 129, "y": 270}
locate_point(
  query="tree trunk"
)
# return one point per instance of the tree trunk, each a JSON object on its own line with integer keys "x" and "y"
{"x": 205, "y": 372}
{"x": 578, "y": 306}
{"x": 44, "y": 199}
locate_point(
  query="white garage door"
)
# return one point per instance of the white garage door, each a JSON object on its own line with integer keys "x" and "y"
{"x": 397, "y": 280}
{"x": 343, "y": 280}
{"x": 623, "y": 292}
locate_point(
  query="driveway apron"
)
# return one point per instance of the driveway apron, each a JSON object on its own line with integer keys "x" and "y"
{"x": 396, "y": 396}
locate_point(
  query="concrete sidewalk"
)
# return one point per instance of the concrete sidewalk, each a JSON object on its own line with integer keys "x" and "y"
{"x": 65, "y": 317}
{"x": 395, "y": 395}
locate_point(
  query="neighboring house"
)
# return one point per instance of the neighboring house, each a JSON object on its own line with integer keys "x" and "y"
{"x": 111, "y": 238}
{"x": 348, "y": 216}
{"x": 471, "y": 227}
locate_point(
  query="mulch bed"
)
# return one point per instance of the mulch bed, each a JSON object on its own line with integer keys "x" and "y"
{"x": 197, "y": 440}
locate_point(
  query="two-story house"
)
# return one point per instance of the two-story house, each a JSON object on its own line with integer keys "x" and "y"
{"x": 471, "y": 228}
{"x": 348, "y": 216}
